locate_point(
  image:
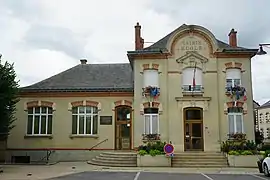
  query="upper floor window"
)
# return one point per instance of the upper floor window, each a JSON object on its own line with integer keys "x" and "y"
{"x": 235, "y": 117}
{"x": 39, "y": 121}
{"x": 192, "y": 79}
{"x": 84, "y": 120}
{"x": 151, "y": 121}
{"x": 233, "y": 77}
{"x": 267, "y": 117}
{"x": 151, "y": 78}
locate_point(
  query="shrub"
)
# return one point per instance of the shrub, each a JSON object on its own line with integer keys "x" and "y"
{"x": 152, "y": 148}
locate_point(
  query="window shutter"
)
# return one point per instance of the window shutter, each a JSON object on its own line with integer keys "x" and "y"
{"x": 233, "y": 74}
{"x": 150, "y": 78}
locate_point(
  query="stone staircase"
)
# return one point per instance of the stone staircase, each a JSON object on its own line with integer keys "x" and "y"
{"x": 115, "y": 159}
{"x": 199, "y": 160}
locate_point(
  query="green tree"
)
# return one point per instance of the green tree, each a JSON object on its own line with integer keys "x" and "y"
{"x": 9, "y": 89}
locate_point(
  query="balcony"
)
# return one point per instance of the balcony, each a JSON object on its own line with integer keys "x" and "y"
{"x": 188, "y": 90}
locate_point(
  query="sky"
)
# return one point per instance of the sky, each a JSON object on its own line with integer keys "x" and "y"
{"x": 45, "y": 37}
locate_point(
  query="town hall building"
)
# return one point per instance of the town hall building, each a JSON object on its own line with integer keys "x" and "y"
{"x": 188, "y": 88}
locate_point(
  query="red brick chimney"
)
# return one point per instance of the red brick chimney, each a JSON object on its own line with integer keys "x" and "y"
{"x": 139, "y": 41}
{"x": 233, "y": 38}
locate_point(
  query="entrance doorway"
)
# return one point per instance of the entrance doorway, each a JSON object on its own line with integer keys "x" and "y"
{"x": 123, "y": 126}
{"x": 193, "y": 129}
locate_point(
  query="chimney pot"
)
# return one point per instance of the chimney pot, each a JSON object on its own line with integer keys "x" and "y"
{"x": 83, "y": 61}
{"x": 233, "y": 38}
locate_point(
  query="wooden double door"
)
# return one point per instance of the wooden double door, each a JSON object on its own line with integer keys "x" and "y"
{"x": 193, "y": 129}
{"x": 123, "y": 127}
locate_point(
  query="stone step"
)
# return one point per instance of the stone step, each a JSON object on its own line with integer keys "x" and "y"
{"x": 200, "y": 163}
{"x": 116, "y": 158}
{"x": 200, "y": 160}
{"x": 198, "y": 157}
{"x": 198, "y": 154}
{"x": 120, "y": 153}
{"x": 110, "y": 161}
{"x": 199, "y": 166}
{"x": 111, "y": 164}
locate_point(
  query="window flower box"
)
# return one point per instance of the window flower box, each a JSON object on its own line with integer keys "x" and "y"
{"x": 151, "y": 137}
{"x": 151, "y": 91}
{"x": 237, "y": 136}
{"x": 237, "y": 92}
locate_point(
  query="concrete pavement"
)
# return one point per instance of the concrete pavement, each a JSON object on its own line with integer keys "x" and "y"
{"x": 22, "y": 172}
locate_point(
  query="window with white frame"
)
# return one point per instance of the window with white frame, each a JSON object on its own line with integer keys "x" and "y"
{"x": 261, "y": 118}
{"x": 39, "y": 121}
{"x": 151, "y": 78}
{"x": 235, "y": 117}
{"x": 188, "y": 77}
{"x": 233, "y": 77}
{"x": 85, "y": 120}
{"x": 151, "y": 121}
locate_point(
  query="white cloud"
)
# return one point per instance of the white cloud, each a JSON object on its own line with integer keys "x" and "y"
{"x": 45, "y": 37}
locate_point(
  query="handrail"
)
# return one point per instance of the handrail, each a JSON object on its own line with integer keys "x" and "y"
{"x": 98, "y": 144}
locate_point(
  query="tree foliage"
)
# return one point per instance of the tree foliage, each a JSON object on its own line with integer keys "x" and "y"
{"x": 9, "y": 89}
{"x": 258, "y": 137}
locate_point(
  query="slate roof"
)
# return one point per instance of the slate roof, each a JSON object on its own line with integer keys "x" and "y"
{"x": 88, "y": 78}
{"x": 161, "y": 44}
{"x": 265, "y": 105}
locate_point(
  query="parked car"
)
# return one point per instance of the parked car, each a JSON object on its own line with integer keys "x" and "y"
{"x": 264, "y": 165}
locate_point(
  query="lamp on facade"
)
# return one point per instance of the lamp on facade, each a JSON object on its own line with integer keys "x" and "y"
{"x": 261, "y": 51}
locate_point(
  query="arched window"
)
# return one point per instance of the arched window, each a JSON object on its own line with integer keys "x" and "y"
{"x": 151, "y": 121}
{"x": 235, "y": 117}
{"x": 85, "y": 120}
{"x": 233, "y": 77}
{"x": 192, "y": 79}
{"x": 39, "y": 120}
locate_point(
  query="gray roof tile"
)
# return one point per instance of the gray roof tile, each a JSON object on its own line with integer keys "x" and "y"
{"x": 88, "y": 77}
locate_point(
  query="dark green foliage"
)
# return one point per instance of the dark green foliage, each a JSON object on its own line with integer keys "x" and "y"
{"x": 8, "y": 98}
{"x": 265, "y": 147}
{"x": 228, "y": 146}
{"x": 258, "y": 137}
{"x": 152, "y": 148}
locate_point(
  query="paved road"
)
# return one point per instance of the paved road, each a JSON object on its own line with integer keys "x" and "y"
{"x": 94, "y": 175}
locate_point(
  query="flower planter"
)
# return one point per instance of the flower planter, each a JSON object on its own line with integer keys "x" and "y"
{"x": 243, "y": 160}
{"x": 230, "y": 104}
{"x": 153, "y": 161}
{"x": 239, "y": 104}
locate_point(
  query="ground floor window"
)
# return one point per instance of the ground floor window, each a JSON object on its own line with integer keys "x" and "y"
{"x": 235, "y": 117}
{"x": 235, "y": 123}
{"x": 39, "y": 121}
{"x": 84, "y": 120}
{"x": 151, "y": 121}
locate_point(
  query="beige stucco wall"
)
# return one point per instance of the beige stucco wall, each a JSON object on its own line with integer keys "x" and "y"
{"x": 214, "y": 80}
{"x": 62, "y": 126}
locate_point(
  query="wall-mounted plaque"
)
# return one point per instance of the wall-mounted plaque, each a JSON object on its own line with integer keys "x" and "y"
{"x": 105, "y": 120}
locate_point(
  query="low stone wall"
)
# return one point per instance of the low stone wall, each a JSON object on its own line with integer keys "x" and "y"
{"x": 40, "y": 156}
{"x": 153, "y": 161}
{"x": 243, "y": 160}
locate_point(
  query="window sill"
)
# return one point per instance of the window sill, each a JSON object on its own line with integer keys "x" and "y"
{"x": 28, "y": 136}
{"x": 190, "y": 93}
{"x": 83, "y": 136}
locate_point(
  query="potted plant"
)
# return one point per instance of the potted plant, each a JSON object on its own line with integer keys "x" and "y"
{"x": 153, "y": 155}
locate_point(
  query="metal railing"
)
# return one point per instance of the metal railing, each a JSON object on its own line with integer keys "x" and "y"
{"x": 98, "y": 144}
{"x": 191, "y": 88}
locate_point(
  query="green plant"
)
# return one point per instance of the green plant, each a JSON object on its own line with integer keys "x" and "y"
{"x": 266, "y": 153}
{"x": 142, "y": 152}
{"x": 152, "y": 148}
{"x": 246, "y": 152}
{"x": 155, "y": 152}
